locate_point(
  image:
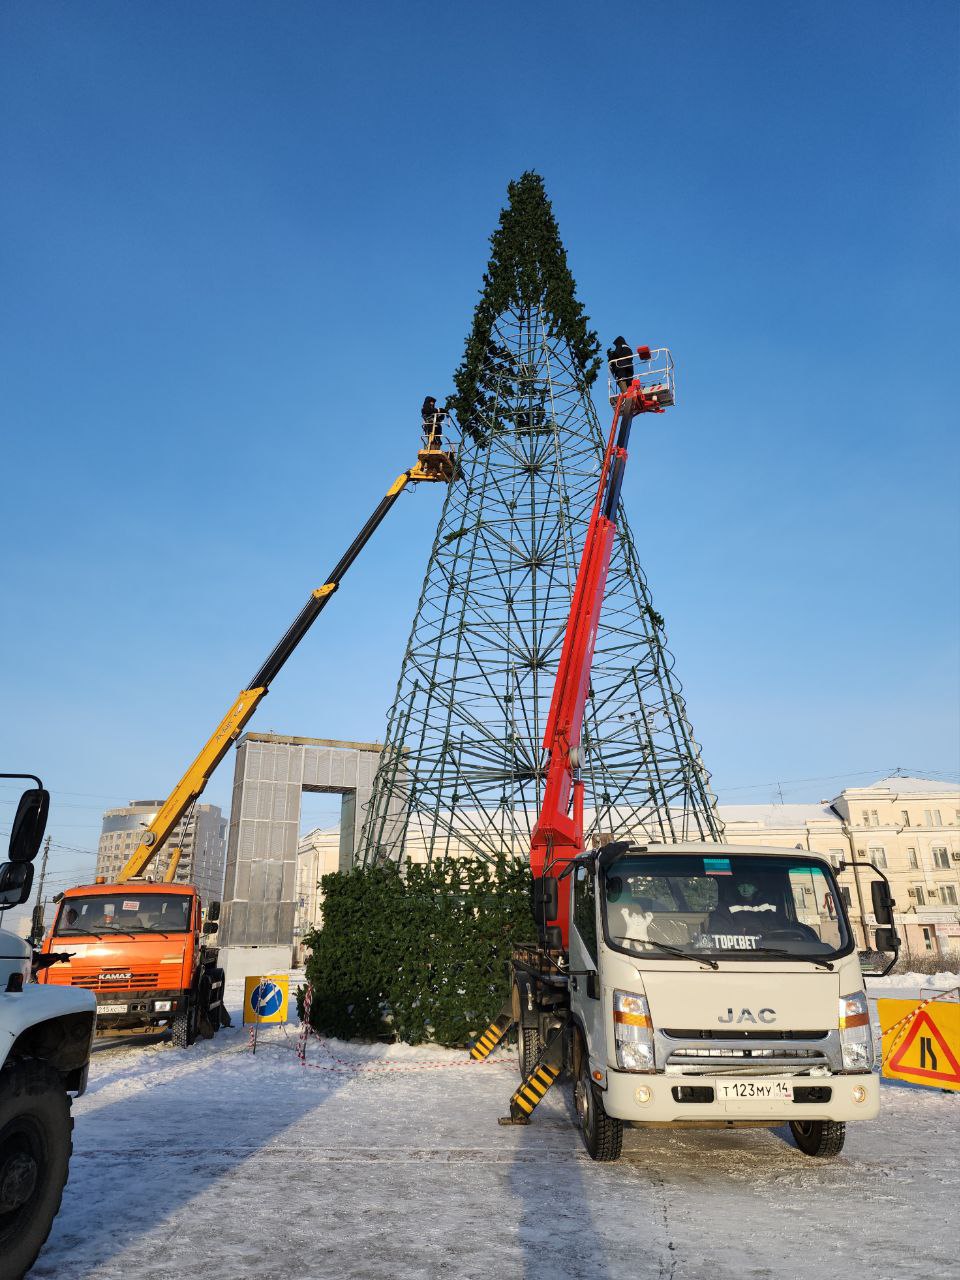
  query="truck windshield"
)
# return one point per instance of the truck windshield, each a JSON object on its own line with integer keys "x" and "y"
{"x": 124, "y": 913}
{"x": 734, "y": 906}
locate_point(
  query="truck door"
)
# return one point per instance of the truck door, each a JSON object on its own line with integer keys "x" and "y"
{"x": 585, "y": 998}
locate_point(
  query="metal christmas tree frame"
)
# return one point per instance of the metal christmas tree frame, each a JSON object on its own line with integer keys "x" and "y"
{"x": 463, "y": 765}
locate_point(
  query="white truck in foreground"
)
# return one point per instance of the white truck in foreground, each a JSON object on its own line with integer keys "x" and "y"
{"x": 46, "y": 1035}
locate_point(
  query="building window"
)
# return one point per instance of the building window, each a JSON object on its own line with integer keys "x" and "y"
{"x": 878, "y": 855}
{"x": 927, "y": 938}
{"x": 931, "y": 818}
{"x": 905, "y": 817}
{"x": 948, "y": 895}
{"x": 912, "y": 858}
{"x": 865, "y": 817}
{"x": 920, "y": 896}
{"x": 940, "y": 857}
{"x": 845, "y": 894}
{"x": 874, "y": 818}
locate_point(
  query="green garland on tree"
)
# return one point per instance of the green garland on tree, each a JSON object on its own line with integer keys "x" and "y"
{"x": 527, "y": 268}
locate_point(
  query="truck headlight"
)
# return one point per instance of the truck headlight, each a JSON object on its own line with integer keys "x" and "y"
{"x": 856, "y": 1035}
{"x": 633, "y": 1032}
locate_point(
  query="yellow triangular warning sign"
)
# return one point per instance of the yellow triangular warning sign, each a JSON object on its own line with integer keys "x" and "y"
{"x": 925, "y": 1052}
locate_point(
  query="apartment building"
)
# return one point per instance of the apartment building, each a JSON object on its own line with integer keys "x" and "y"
{"x": 202, "y": 841}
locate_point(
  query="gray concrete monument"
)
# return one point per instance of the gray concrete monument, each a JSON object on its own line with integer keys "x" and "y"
{"x": 259, "y": 893}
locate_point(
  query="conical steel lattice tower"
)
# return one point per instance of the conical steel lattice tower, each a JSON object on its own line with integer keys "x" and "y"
{"x": 463, "y": 764}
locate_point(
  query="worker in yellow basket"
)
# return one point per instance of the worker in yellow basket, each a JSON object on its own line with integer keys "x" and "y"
{"x": 432, "y": 422}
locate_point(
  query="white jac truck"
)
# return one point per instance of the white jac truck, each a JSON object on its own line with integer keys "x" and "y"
{"x": 688, "y": 984}
{"x": 46, "y": 1035}
{"x": 703, "y": 986}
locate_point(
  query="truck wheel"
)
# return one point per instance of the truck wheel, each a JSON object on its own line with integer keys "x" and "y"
{"x": 185, "y": 1025}
{"x": 819, "y": 1137}
{"x": 35, "y": 1147}
{"x": 529, "y": 1048}
{"x": 602, "y": 1135}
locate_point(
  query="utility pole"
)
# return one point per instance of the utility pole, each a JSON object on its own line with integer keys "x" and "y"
{"x": 36, "y": 925}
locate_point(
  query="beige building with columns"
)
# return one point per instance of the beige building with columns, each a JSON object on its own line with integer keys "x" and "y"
{"x": 908, "y": 826}
{"x": 318, "y": 852}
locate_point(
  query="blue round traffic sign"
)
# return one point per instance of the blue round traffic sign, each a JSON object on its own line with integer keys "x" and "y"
{"x": 266, "y": 999}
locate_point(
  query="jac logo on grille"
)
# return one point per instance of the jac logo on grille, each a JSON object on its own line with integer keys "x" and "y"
{"x": 747, "y": 1015}
{"x": 115, "y": 976}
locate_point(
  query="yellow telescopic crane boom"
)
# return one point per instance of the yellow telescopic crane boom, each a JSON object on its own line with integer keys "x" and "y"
{"x": 432, "y": 465}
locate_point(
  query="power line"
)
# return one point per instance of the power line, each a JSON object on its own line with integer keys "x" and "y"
{"x": 832, "y": 777}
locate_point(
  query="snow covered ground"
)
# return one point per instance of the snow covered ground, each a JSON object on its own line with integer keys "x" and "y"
{"x": 388, "y": 1162}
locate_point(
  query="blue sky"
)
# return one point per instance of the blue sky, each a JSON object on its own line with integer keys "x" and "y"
{"x": 240, "y": 241}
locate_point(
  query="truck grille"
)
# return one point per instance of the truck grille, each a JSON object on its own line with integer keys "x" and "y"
{"x": 94, "y": 982}
{"x": 726, "y": 1054}
{"x": 746, "y": 1036}
{"x": 700, "y": 1051}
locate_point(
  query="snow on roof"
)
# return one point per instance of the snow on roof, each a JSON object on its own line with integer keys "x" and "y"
{"x": 901, "y": 786}
{"x": 778, "y": 815}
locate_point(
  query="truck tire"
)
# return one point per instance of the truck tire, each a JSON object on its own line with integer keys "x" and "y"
{"x": 602, "y": 1135}
{"x": 184, "y": 1029}
{"x": 35, "y": 1146}
{"x": 529, "y": 1048}
{"x": 822, "y": 1138}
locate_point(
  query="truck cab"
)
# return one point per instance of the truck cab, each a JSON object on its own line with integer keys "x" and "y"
{"x": 46, "y": 1036}
{"x": 141, "y": 948}
{"x": 715, "y": 985}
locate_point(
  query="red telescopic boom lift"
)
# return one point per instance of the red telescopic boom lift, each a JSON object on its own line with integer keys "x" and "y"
{"x": 558, "y": 834}
{"x": 557, "y": 837}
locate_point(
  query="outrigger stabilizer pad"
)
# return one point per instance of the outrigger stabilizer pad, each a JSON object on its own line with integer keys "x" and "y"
{"x": 534, "y": 1087}
{"x": 484, "y": 1045}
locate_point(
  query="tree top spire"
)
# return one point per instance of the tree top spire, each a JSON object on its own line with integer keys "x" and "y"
{"x": 527, "y": 268}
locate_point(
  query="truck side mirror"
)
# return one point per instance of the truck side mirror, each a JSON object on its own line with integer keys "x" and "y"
{"x": 882, "y": 903}
{"x": 29, "y": 824}
{"x": 210, "y": 926}
{"x": 16, "y": 881}
{"x": 213, "y": 911}
{"x": 887, "y": 940}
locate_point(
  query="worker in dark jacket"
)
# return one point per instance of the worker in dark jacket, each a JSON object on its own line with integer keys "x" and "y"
{"x": 620, "y": 359}
{"x": 432, "y": 422}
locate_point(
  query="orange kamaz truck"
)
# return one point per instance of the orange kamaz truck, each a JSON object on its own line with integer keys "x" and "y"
{"x": 143, "y": 949}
